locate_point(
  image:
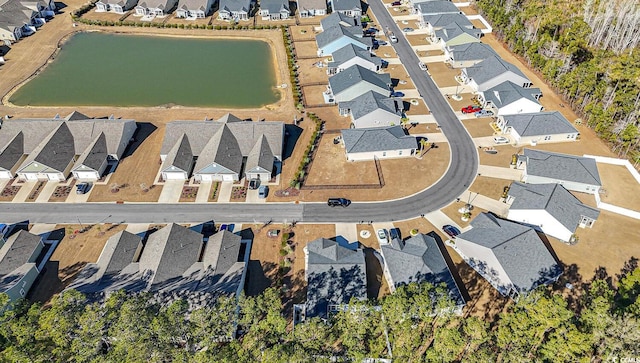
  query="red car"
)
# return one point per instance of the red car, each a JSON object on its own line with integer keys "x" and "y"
{"x": 471, "y": 109}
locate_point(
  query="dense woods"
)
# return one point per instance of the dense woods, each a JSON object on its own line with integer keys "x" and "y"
{"x": 587, "y": 50}
{"x": 599, "y": 321}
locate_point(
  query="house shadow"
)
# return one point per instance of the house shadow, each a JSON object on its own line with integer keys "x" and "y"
{"x": 259, "y": 277}
{"x": 4, "y": 49}
{"x": 291, "y": 135}
{"x": 394, "y": 82}
{"x": 144, "y": 130}
{"x": 406, "y": 106}
{"x": 342, "y": 241}
{"x": 60, "y": 6}
{"x": 451, "y": 265}
{"x": 374, "y": 273}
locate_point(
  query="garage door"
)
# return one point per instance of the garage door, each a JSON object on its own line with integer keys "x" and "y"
{"x": 30, "y": 176}
{"x": 174, "y": 176}
{"x": 86, "y": 175}
{"x": 5, "y": 175}
{"x": 53, "y": 177}
{"x": 227, "y": 177}
{"x": 206, "y": 177}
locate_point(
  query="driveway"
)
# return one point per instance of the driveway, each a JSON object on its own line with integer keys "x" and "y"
{"x": 171, "y": 191}
{"x": 500, "y": 173}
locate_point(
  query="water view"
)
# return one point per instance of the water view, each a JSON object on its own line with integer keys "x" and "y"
{"x": 125, "y": 70}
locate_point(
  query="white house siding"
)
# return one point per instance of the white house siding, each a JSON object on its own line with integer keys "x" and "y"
{"x": 216, "y": 177}
{"x": 483, "y": 255}
{"x": 377, "y": 118}
{"x": 358, "y": 90}
{"x": 540, "y": 139}
{"x": 359, "y": 61}
{"x": 521, "y": 106}
{"x": 542, "y": 219}
{"x": 507, "y": 76}
{"x": 174, "y": 175}
{"x": 573, "y": 186}
{"x": 5, "y": 174}
{"x": 262, "y": 175}
{"x": 391, "y": 154}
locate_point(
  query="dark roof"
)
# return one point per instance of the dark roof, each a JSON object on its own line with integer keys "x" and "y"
{"x": 260, "y": 156}
{"x": 539, "y": 124}
{"x": 562, "y": 167}
{"x": 555, "y": 199}
{"x": 355, "y": 74}
{"x": 55, "y": 151}
{"x": 377, "y": 139}
{"x": 222, "y": 149}
{"x": 371, "y": 101}
{"x": 472, "y": 51}
{"x": 275, "y": 6}
{"x": 507, "y": 92}
{"x": 518, "y": 249}
{"x": 12, "y": 152}
{"x": 95, "y": 154}
{"x": 330, "y": 35}
{"x": 443, "y": 20}
{"x": 180, "y": 156}
{"x": 235, "y": 5}
{"x": 349, "y": 52}
{"x": 338, "y": 5}
{"x": 437, "y": 7}
{"x": 490, "y": 68}
{"x": 120, "y": 250}
{"x": 419, "y": 259}
{"x": 335, "y": 19}
{"x": 335, "y": 274}
{"x": 454, "y": 30}
{"x": 18, "y": 250}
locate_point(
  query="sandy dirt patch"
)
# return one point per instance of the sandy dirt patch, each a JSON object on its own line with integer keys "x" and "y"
{"x": 620, "y": 187}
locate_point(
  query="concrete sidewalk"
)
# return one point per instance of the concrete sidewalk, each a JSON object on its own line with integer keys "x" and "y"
{"x": 422, "y": 119}
{"x": 451, "y": 90}
{"x": 485, "y": 141}
{"x": 46, "y": 192}
{"x": 204, "y": 190}
{"x": 423, "y": 48}
{"x": 348, "y": 231}
{"x": 439, "y": 219}
{"x": 500, "y": 173}
{"x": 410, "y": 93}
{"x": 432, "y": 59}
{"x": 24, "y": 191}
{"x": 433, "y": 137}
{"x": 171, "y": 191}
{"x": 481, "y": 201}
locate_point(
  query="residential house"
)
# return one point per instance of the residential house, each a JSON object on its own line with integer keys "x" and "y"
{"x": 175, "y": 260}
{"x": 551, "y": 208}
{"x": 349, "y": 55}
{"x": 576, "y": 173}
{"x": 220, "y": 150}
{"x": 418, "y": 259}
{"x": 433, "y": 22}
{"x": 454, "y": 34}
{"x": 334, "y": 275}
{"x": 467, "y": 55}
{"x": 492, "y": 72}
{"x": 509, "y": 255}
{"x": 372, "y": 109}
{"x": 356, "y": 81}
{"x": 335, "y": 19}
{"x": 508, "y": 98}
{"x": 115, "y": 6}
{"x": 274, "y": 9}
{"x": 336, "y": 37}
{"x": 537, "y": 128}
{"x": 52, "y": 149}
{"x": 351, "y": 8}
{"x": 235, "y": 10}
{"x": 435, "y": 8}
{"x": 378, "y": 143}
{"x": 18, "y": 263}
{"x": 194, "y": 9}
{"x": 311, "y": 8}
{"x": 155, "y": 7}
{"x": 21, "y": 18}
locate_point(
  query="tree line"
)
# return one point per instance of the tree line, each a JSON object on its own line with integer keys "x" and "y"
{"x": 587, "y": 50}
{"x": 415, "y": 324}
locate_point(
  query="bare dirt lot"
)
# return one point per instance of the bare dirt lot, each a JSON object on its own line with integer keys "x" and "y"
{"x": 307, "y": 49}
{"x": 303, "y": 32}
{"x": 72, "y": 254}
{"x": 478, "y": 127}
{"x": 621, "y": 188}
{"x": 489, "y": 187}
{"x": 313, "y": 95}
{"x": 419, "y": 109}
{"x": 442, "y": 75}
{"x": 309, "y": 73}
{"x": 400, "y": 77}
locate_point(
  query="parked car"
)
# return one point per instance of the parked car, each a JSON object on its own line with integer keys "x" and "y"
{"x": 396, "y": 3}
{"x": 407, "y": 30}
{"x": 254, "y": 184}
{"x": 500, "y": 140}
{"x": 394, "y": 233}
{"x": 273, "y": 233}
{"x": 82, "y": 188}
{"x": 381, "y": 42}
{"x": 471, "y": 109}
{"x": 333, "y": 202}
{"x": 484, "y": 113}
{"x": 263, "y": 191}
{"x": 451, "y": 230}
{"x": 227, "y": 227}
{"x": 381, "y": 234}
{"x": 397, "y": 94}
{"x": 393, "y": 39}
{"x": 371, "y": 31}
{"x": 422, "y": 66}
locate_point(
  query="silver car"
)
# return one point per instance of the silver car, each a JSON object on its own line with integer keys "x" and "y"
{"x": 381, "y": 234}
{"x": 500, "y": 140}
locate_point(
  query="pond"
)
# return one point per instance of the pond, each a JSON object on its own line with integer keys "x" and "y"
{"x": 99, "y": 69}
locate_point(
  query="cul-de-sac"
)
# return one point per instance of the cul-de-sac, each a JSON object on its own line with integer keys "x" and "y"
{"x": 319, "y": 181}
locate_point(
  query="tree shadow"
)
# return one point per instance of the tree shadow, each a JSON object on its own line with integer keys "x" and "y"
{"x": 260, "y": 276}
{"x": 374, "y": 273}
{"x": 144, "y": 130}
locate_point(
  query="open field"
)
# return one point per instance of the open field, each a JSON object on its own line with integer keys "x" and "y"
{"x": 443, "y": 75}
{"x": 621, "y": 188}
{"x": 489, "y": 187}
{"x": 478, "y": 127}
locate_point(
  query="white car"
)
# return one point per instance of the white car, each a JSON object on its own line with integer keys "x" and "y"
{"x": 381, "y": 234}
{"x": 422, "y": 66}
{"x": 500, "y": 140}
{"x": 393, "y": 39}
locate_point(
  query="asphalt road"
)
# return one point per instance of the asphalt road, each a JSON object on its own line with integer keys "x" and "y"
{"x": 461, "y": 173}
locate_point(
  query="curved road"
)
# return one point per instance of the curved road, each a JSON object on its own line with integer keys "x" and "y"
{"x": 461, "y": 173}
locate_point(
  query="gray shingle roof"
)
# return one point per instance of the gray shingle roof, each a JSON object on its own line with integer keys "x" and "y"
{"x": 377, "y": 139}
{"x": 437, "y": 7}
{"x": 180, "y": 156}
{"x": 472, "y": 51}
{"x": 454, "y": 30}
{"x": 158, "y": 4}
{"x": 12, "y": 152}
{"x": 371, "y": 101}
{"x": 193, "y": 5}
{"x": 555, "y": 199}
{"x": 491, "y": 68}
{"x": 18, "y": 250}
{"x": 312, "y": 4}
{"x": 222, "y": 251}
{"x": 335, "y": 19}
{"x": 518, "y": 249}
{"x": 260, "y": 156}
{"x": 507, "y": 92}
{"x": 339, "y": 5}
{"x": 55, "y": 151}
{"x": 95, "y": 154}
{"x": 538, "y": 124}
{"x": 275, "y": 6}
{"x": 349, "y": 52}
{"x": 443, "y": 20}
{"x": 235, "y": 5}
{"x": 120, "y": 250}
{"x": 335, "y": 274}
{"x": 331, "y": 34}
{"x": 562, "y": 167}
{"x": 222, "y": 149}
{"x": 355, "y": 74}
{"x": 419, "y": 259}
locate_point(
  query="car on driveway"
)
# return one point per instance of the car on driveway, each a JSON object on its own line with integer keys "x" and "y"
{"x": 334, "y": 202}
{"x": 450, "y": 230}
{"x": 422, "y": 66}
{"x": 380, "y": 42}
{"x": 471, "y": 109}
{"x": 82, "y": 188}
{"x": 397, "y": 94}
{"x": 370, "y": 31}
{"x": 500, "y": 140}
{"x": 393, "y": 39}
{"x": 483, "y": 113}
{"x": 407, "y": 30}
{"x": 254, "y": 184}
{"x": 263, "y": 191}
{"x": 394, "y": 233}
{"x": 273, "y": 233}
{"x": 381, "y": 234}
{"x": 396, "y": 3}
